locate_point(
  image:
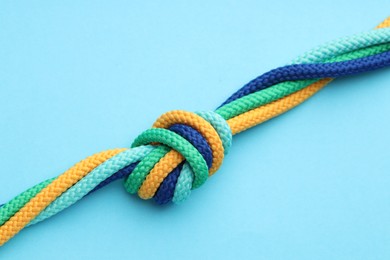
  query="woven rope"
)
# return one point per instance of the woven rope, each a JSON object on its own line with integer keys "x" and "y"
{"x": 188, "y": 147}
{"x": 48, "y": 194}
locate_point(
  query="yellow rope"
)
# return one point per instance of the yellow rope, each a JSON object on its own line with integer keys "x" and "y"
{"x": 172, "y": 159}
{"x": 208, "y": 132}
{"x": 156, "y": 176}
{"x": 384, "y": 24}
{"x": 32, "y": 208}
{"x": 271, "y": 110}
{"x": 237, "y": 124}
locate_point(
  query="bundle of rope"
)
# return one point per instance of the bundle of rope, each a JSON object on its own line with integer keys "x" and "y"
{"x": 183, "y": 149}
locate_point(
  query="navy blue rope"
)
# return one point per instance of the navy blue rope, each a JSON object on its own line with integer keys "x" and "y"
{"x": 124, "y": 172}
{"x": 287, "y": 73}
{"x": 312, "y": 71}
{"x": 196, "y": 139}
{"x": 166, "y": 190}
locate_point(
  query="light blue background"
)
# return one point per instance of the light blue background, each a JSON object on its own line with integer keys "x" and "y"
{"x": 79, "y": 77}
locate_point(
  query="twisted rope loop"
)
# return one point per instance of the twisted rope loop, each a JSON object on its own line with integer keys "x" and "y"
{"x": 146, "y": 180}
{"x": 183, "y": 149}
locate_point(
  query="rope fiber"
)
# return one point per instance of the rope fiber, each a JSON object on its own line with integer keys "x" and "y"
{"x": 183, "y": 149}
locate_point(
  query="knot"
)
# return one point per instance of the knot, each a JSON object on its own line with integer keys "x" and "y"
{"x": 189, "y": 147}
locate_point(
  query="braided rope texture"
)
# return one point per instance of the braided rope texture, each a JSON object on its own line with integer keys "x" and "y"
{"x": 183, "y": 149}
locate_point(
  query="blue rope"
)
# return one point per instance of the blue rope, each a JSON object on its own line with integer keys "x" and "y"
{"x": 286, "y": 73}
{"x": 166, "y": 190}
{"x": 312, "y": 71}
{"x": 196, "y": 139}
{"x": 116, "y": 176}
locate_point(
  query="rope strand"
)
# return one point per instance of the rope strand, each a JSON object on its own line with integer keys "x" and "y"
{"x": 183, "y": 149}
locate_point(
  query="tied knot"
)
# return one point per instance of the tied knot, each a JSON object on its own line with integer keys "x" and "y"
{"x": 188, "y": 148}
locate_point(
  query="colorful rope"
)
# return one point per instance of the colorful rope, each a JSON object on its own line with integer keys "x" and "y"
{"x": 183, "y": 149}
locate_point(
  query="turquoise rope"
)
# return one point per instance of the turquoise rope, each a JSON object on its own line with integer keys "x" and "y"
{"x": 344, "y": 45}
{"x": 89, "y": 182}
{"x": 324, "y": 52}
{"x": 184, "y": 182}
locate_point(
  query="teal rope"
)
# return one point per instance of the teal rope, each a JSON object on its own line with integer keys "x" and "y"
{"x": 345, "y": 47}
{"x": 89, "y": 182}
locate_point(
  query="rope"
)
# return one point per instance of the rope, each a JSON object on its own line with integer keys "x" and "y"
{"x": 311, "y": 71}
{"x": 183, "y": 148}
